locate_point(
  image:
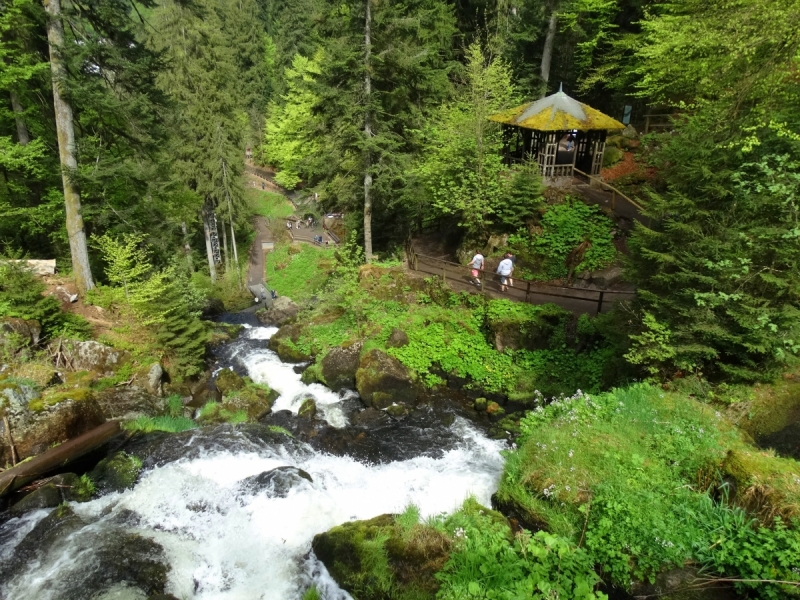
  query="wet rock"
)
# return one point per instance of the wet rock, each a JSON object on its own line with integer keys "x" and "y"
{"x": 93, "y": 356}
{"x": 255, "y": 400}
{"x": 495, "y": 411}
{"x": 284, "y": 343}
{"x": 338, "y": 367}
{"x": 382, "y": 380}
{"x": 630, "y": 132}
{"x": 413, "y": 560}
{"x": 129, "y": 402}
{"x": 227, "y": 381}
{"x": 51, "y": 530}
{"x": 371, "y": 417}
{"x": 398, "y": 410}
{"x": 279, "y": 312}
{"x": 308, "y": 409}
{"x": 213, "y": 307}
{"x": 38, "y": 424}
{"x": 116, "y": 473}
{"x": 397, "y": 339}
{"x": 47, "y": 496}
{"x": 480, "y": 404}
{"x": 277, "y": 482}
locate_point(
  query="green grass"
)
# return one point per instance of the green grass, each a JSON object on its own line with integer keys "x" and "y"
{"x": 269, "y": 204}
{"x": 162, "y": 423}
{"x": 631, "y": 473}
{"x": 298, "y": 271}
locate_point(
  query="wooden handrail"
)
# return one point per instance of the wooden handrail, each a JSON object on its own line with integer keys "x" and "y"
{"x": 538, "y": 285}
{"x": 611, "y": 187}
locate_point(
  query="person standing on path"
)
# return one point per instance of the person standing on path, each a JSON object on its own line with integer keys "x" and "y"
{"x": 513, "y": 260}
{"x": 504, "y": 269}
{"x": 477, "y": 264}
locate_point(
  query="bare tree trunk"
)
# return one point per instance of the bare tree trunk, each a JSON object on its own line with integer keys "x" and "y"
{"x": 187, "y": 248}
{"x": 212, "y": 265}
{"x": 225, "y": 246}
{"x": 230, "y": 217}
{"x": 23, "y": 136}
{"x": 547, "y": 53}
{"x": 368, "y": 135}
{"x": 66, "y": 150}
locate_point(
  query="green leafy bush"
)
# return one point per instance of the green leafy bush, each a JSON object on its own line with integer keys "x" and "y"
{"x": 487, "y": 562}
{"x": 565, "y": 227}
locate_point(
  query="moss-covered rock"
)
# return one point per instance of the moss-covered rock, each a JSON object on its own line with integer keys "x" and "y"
{"x": 39, "y": 423}
{"x": 379, "y": 559}
{"x": 93, "y": 356}
{"x": 116, "y": 473}
{"x": 382, "y": 380}
{"x": 254, "y": 399}
{"x": 279, "y": 312}
{"x": 338, "y": 367}
{"x": 228, "y": 381}
{"x": 129, "y": 402}
{"x": 397, "y": 339}
{"x": 308, "y": 409}
{"x": 61, "y": 488}
{"x": 766, "y": 485}
{"x": 284, "y": 343}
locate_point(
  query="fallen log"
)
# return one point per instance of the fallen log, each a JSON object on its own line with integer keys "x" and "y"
{"x": 17, "y": 477}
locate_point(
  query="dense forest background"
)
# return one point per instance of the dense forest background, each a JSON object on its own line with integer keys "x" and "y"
{"x": 380, "y": 109}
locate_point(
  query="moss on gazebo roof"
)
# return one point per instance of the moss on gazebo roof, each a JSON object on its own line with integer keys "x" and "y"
{"x": 556, "y": 112}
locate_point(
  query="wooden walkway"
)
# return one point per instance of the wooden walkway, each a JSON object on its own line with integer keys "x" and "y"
{"x": 576, "y": 300}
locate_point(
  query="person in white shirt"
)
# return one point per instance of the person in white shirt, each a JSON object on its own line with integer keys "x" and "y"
{"x": 477, "y": 264}
{"x": 504, "y": 269}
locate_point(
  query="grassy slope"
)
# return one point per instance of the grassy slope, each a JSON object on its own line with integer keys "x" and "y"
{"x": 268, "y": 204}
{"x": 635, "y": 475}
{"x": 299, "y": 270}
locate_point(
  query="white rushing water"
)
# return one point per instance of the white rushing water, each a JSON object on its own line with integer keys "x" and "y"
{"x": 264, "y": 366}
{"x": 224, "y": 542}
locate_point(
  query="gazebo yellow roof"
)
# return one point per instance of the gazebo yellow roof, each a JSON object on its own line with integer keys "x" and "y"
{"x": 556, "y": 112}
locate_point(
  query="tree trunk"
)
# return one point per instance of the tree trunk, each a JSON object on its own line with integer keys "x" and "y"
{"x": 225, "y": 246}
{"x": 230, "y": 216}
{"x": 212, "y": 265}
{"x": 547, "y": 53}
{"x": 368, "y": 135}
{"x": 187, "y": 248}
{"x": 22, "y": 131}
{"x": 66, "y": 150}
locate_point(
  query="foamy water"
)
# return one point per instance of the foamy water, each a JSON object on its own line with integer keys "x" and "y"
{"x": 223, "y": 542}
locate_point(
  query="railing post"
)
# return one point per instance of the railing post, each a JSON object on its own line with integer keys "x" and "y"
{"x": 600, "y": 302}
{"x": 647, "y": 124}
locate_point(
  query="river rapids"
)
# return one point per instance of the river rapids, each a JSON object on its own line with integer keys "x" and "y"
{"x": 225, "y": 541}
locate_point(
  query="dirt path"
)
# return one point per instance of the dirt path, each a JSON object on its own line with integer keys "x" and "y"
{"x": 255, "y": 267}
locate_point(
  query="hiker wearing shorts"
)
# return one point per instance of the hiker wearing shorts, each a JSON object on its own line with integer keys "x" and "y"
{"x": 477, "y": 264}
{"x": 504, "y": 269}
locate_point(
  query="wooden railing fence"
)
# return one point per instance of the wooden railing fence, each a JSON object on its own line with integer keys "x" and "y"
{"x": 576, "y": 300}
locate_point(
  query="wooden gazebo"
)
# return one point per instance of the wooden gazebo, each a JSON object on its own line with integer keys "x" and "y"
{"x": 541, "y": 131}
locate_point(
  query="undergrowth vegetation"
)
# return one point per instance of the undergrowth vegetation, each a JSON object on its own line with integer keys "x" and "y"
{"x": 644, "y": 480}
{"x": 298, "y": 270}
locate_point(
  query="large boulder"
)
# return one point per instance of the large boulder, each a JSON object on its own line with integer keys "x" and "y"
{"x": 228, "y": 380}
{"x": 277, "y": 483}
{"x": 382, "y": 380}
{"x": 39, "y": 423}
{"x": 93, "y": 356}
{"x": 16, "y": 331}
{"x": 284, "y": 343}
{"x": 152, "y": 379}
{"x": 129, "y": 402}
{"x": 116, "y": 473}
{"x": 279, "y": 312}
{"x": 66, "y": 487}
{"x": 413, "y": 558}
{"x": 338, "y": 367}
